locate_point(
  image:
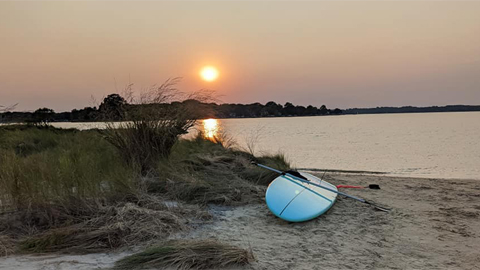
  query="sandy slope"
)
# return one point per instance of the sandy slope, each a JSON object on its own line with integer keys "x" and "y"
{"x": 435, "y": 225}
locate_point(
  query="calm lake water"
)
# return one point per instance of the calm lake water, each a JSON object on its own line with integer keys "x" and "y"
{"x": 434, "y": 145}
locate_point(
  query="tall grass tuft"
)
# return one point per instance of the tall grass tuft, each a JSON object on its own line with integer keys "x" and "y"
{"x": 187, "y": 254}
{"x": 152, "y": 128}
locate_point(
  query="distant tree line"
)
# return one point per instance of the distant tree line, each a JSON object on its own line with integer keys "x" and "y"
{"x": 411, "y": 109}
{"x": 115, "y": 107}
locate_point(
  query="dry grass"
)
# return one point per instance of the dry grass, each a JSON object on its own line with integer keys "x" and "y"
{"x": 214, "y": 184}
{"x": 112, "y": 227}
{"x": 187, "y": 254}
{"x": 7, "y": 245}
{"x": 203, "y": 172}
{"x": 94, "y": 228}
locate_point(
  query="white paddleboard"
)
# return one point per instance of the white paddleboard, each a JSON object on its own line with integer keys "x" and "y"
{"x": 296, "y": 201}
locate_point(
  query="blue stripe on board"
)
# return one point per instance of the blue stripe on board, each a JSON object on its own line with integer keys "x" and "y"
{"x": 291, "y": 201}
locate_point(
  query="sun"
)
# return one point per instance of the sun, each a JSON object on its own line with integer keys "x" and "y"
{"x": 209, "y": 73}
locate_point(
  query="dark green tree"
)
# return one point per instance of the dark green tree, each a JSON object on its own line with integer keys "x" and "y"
{"x": 272, "y": 109}
{"x": 300, "y": 110}
{"x": 43, "y": 116}
{"x": 288, "y": 109}
{"x": 311, "y": 110}
{"x": 113, "y": 107}
{"x": 337, "y": 111}
{"x": 323, "y": 110}
{"x": 86, "y": 114}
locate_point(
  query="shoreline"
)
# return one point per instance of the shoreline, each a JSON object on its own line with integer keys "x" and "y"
{"x": 434, "y": 224}
{"x": 386, "y": 174}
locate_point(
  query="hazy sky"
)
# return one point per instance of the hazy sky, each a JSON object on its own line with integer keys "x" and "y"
{"x": 341, "y": 54}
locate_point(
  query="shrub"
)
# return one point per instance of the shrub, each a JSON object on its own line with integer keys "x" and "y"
{"x": 153, "y": 128}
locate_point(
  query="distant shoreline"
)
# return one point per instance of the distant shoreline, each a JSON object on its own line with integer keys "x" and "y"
{"x": 291, "y": 116}
{"x": 412, "y": 109}
{"x": 340, "y": 171}
{"x": 376, "y": 173}
{"x": 24, "y": 116}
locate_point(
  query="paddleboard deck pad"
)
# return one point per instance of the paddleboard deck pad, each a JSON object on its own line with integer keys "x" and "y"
{"x": 296, "y": 201}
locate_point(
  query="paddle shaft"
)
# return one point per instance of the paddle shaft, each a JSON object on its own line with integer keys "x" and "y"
{"x": 347, "y": 186}
{"x": 371, "y": 186}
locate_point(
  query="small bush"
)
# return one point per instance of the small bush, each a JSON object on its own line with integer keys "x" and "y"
{"x": 187, "y": 254}
{"x": 153, "y": 128}
{"x": 143, "y": 143}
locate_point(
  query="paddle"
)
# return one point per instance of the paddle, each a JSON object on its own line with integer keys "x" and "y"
{"x": 381, "y": 208}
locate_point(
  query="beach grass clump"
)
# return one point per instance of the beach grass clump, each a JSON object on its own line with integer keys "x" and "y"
{"x": 203, "y": 171}
{"x": 108, "y": 228}
{"x": 48, "y": 166}
{"x": 187, "y": 254}
{"x": 155, "y": 121}
{"x": 143, "y": 143}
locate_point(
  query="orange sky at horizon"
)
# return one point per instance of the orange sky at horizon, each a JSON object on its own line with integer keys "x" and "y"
{"x": 341, "y": 54}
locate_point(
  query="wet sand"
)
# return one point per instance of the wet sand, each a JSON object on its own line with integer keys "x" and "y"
{"x": 435, "y": 224}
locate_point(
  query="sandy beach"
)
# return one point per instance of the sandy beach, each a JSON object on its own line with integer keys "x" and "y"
{"x": 434, "y": 225}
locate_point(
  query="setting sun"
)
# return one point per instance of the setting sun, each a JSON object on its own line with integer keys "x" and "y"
{"x": 209, "y": 73}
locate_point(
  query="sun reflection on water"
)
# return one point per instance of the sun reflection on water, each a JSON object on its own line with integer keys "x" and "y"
{"x": 210, "y": 128}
